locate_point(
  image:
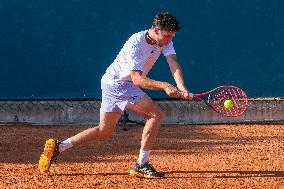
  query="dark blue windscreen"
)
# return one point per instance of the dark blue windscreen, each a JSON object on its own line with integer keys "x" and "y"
{"x": 60, "y": 49}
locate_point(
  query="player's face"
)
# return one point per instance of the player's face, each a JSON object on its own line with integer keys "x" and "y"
{"x": 164, "y": 37}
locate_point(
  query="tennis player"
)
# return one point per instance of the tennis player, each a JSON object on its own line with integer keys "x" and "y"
{"x": 121, "y": 89}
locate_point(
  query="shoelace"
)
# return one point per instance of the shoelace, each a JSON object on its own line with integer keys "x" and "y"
{"x": 153, "y": 169}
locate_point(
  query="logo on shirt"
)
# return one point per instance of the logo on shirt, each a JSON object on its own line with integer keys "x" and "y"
{"x": 153, "y": 51}
{"x": 134, "y": 97}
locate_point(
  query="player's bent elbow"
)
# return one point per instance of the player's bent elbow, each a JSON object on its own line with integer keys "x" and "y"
{"x": 136, "y": 82}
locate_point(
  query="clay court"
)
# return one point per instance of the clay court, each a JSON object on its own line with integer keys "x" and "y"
{"x": 193, "y": 156}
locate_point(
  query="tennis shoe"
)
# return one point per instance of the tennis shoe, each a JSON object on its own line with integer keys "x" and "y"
{"x": 49, "y": 155}
{"x": 145, "y": 171}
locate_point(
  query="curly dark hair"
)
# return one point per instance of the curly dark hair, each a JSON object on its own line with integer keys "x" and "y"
{"x": 166, "y": 21}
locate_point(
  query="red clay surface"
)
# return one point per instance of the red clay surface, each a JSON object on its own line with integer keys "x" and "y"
{"x": 203, "y": 156}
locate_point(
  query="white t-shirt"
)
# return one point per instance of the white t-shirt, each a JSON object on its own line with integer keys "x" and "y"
{"x": 136, "y": 54}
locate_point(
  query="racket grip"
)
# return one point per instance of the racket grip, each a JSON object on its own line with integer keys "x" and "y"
{"x": 184, "y": 95}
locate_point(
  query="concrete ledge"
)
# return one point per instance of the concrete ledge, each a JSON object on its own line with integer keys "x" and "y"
{"x": 49, "y": 112}
{"x": 191, "y": 112}
{"x": 62, "y": 112}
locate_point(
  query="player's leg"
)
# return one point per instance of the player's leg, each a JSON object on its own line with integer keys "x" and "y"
{"x": 148, "y": 108}
{"x": 108, "y": 121}
{"x": 154, "y": 115}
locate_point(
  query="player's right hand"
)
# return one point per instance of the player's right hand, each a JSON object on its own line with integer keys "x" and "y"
{"x": 172, "y": 91}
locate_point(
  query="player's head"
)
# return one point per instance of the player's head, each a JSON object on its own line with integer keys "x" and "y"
{"x": 165, "y": 26}
{"x": 166, "y": 21}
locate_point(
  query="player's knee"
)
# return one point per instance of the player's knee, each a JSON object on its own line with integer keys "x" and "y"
{"x": 159, "y": 115}
{"x": 104, "y": 133}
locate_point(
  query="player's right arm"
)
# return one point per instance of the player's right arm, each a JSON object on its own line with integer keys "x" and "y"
{"x": 142, "y": 81}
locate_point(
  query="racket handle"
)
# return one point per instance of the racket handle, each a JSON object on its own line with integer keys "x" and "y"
{"x": 184, "y": 95}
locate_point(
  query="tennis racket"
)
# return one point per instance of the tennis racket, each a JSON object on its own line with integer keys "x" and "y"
{"x": 230, "y": 101}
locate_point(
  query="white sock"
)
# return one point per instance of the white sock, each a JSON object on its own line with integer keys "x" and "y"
{"x": 143, "y": 157}
{"x": 64, "y": 145}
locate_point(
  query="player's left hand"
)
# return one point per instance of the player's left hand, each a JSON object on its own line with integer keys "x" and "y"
{"x": 184, "y": 93}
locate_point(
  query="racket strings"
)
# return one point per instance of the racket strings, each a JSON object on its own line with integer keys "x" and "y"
{"x": 224, "y": 93}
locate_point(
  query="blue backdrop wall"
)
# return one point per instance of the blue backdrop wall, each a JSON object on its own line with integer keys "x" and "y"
{"x": 60, "y": 49}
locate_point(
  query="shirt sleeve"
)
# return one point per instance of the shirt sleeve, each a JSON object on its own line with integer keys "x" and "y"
{"x": 169, "y": 49}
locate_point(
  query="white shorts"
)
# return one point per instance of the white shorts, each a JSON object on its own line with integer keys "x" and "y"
{"x": 116, "y": 96}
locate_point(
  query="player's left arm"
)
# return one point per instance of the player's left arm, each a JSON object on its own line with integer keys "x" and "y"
{"x": 177, "y": 73}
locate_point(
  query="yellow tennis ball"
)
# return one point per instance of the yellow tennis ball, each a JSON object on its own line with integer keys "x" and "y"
{"x": 228, "y": 104}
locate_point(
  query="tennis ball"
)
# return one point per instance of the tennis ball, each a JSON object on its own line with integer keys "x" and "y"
{"x": 228, "y": 104}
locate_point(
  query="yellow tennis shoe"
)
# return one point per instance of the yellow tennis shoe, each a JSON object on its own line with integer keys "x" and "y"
{"x": 49, "y": 155}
